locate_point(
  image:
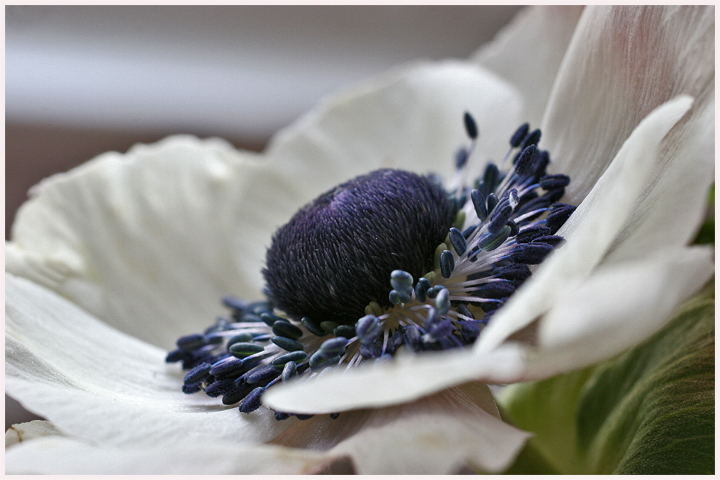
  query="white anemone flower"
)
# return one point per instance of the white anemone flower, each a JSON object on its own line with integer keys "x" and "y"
{"x": 110, "y": 262}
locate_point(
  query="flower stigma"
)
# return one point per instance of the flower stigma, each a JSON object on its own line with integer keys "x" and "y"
{"x": 387, "y": 261}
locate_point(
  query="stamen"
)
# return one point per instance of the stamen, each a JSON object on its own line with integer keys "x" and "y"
{"x": 331, "y": 305}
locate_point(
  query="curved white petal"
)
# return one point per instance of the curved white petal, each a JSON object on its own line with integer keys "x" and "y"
{"x": 150, "y": 240}
{"x": 618, "y": 307}
{"x": 62, "y": 455}
{"x": 96, "y": 383}
{"x": 403, "y": 379}
{"x": 592, "y": 228}
{"x": 670, "y": 213}
{"x": 437, "y": 434}
{"x": 528, "y": 53}
{"x": 408, "y": 118}
{"x": 623, "y": 62}
{"x": 24, "y": 432}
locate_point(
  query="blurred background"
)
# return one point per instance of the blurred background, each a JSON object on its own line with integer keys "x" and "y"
{"x": 81, "y": 80}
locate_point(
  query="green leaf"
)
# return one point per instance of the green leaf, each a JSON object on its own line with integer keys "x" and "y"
{"x": 648, "y": 411}
{"x": 706, "y": 234}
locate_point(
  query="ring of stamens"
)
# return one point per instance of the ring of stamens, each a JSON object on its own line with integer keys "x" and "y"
{"x": 505, "y": 223}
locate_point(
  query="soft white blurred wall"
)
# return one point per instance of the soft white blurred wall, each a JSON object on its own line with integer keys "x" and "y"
{"x": 80, "y": 80}
{"x": 240, "y": 70}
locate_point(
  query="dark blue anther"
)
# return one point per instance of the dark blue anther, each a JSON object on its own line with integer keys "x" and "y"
{"x": 176, "y": 356}
{"x": 533, "y": 138}
{"x": 440, "y": 328}
{"x": 281, "y": 416}
{"x": 558, "y": 215}
{"x": 470, "y": 230}
{"x": 412, "y": 336}
{"x": 189, "y": 388}
{"x": 240, "y": 337}
{"x": 463, "y": 310}
{"x": 297, "y": 356}
{"x": 400, "y": 280}
{"x": 250, "y": 317}
{"x": 457, "y": 240}
{"x": 442, "y": 301}
{"x": 531, "y": 253}
{"x": 235, "y": 394}
{"x": 227, "y": 367}
{"x": 519, "y": 135}
{"x": 525, "y": 161}
{"x": 219, "y": 387}
{"x": 234, "y": 303}
{"x": 479, "y": 202}
{"x": 542, "y": 162}
{"x": 531, "y": 233}
{"x": 321, "y": 359}
{"x": 495, "y": 289}
{"x": 423, "y": 285}
{"x": 397, "y": 297}
{"x": 491, "y": 202}
{"x": 433, "y": 291}
{"x": 553, "y": 240}
{"x": 514, "y": 229}
{"x": 284, "y": 328}
{"x": 287, "y": 344}
{"x": 368, "y": 328}
{"x": 447, "y": 263}
{"x": 262, "y": 375}
{"x": 302, "y": 416}
{"x": 347, "y": 331}
{"x": 244, "y": 349}
{"x": 461, "y": 158}
{"x": 312, "y": 326}
{"x": 470, "y": 125}
{"x": 190, "y": 342}
{"x": 554, "y": 194}
{"x": 198, "y": 373}
{"x": 269, "y": 318}
{"x": 214, "y": 338}
{"x": 289, "y": 371}
{"x": 554, "y": 181}
{"x": 334, "y": 345}
{"x": 500, "y": 216}
{"x": 491, "y": 241}
{"x": 252, "y": 401}
{"x": 491, "y": 304}
{"x": 516, "y": 272}
{"x": 491, "y": 176}
{"x": 259, "y": 307}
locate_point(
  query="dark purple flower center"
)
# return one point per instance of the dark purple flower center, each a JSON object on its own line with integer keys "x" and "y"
{"x": 335, "y": 255}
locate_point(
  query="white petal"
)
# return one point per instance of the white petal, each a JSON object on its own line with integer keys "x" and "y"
{"x": 61, "y": 455}
{"x": 528, "y": 52}
{"x": 409, "y": 118}
{"x": 622, "y": 63}
{"x": 403, "y": 379}
{"x": 674, "y": 206}
{"x": 591, "y": 229}
{"x": 96, "y": 383}
{"x": 436, "y": 435}
{"x": 618, "y": 307}
{"x": 433, "y": 435}
{"x": 150, "y": 240}
{"x": 24, "y": 432}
